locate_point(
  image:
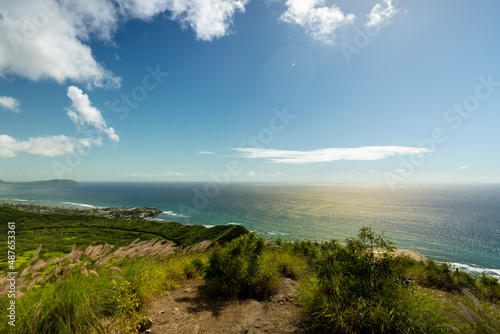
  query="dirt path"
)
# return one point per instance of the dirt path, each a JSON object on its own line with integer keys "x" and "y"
{"x": 187, "y": 310}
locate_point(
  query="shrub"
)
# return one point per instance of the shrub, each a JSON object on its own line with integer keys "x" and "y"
{"x": 239, "y": 270}
{"x": 356, "y": 290}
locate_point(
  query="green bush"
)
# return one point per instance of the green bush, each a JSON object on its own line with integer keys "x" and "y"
{"x": 240, "y": 270}
{"x": 488, "y": 287}
{"x": 357, "y": 290}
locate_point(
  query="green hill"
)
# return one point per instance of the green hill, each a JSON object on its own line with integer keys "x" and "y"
{"x": 44, "y": 183}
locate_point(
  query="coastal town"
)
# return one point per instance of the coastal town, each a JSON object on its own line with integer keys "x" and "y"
{"x": 124, "y": 213}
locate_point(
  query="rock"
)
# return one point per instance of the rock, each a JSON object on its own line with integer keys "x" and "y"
{"x": 144, "y": 327}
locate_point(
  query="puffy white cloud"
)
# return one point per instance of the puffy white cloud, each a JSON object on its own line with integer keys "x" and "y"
{"x": 10, "y": 103}
{"x": 462, "y": 168}
{"x": 208, "y": 18}
{"x": 48, "y": 39}
{"x": 320, "y": 23}
{"x": 47, "y": 146}
{"x": 328, "y": 154}
{"x": 43, "y": 40}
{"x": 382, "y": 13}
{"x": 83, "y": 113}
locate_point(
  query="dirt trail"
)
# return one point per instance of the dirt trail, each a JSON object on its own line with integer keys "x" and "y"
{"x": 187, "y": 310}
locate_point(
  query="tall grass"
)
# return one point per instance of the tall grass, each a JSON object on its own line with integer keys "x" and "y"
{"x": 73, "y": 293}
{"x": 241, "y": 269}
{"x": 344, "y": 288}
{"x": 355, "y": 290}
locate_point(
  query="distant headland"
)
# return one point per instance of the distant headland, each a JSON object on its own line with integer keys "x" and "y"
{"x": 44, "y": 183}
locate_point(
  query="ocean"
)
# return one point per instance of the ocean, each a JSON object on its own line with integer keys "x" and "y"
{"x": 455, "y": 223}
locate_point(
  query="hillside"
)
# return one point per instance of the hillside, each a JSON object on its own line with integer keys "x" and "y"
{"x": 60, "y": 229}
{"x": 80, "y": 273}
{"x": 44, "y": 183}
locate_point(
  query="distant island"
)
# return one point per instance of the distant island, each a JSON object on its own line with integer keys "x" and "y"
{"x": 45, "y": 183}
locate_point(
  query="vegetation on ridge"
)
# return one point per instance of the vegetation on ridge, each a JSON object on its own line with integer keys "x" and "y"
{"x": 44, "y": 183}
{"x": 344, "y": 288}
{"x": 59, "y": 231}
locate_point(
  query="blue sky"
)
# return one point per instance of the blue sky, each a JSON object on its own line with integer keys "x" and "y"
{"x": 254, "y": 91}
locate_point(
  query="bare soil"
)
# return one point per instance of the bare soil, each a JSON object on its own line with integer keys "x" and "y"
{"x": 188, "y": 310}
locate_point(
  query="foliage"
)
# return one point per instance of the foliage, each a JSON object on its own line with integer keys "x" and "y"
{"x": 469, "y": 315}
{"x": 127, "y": 304}
{"x": 355, "y": 287}
{"x": 59, "y": 231}
{"x": 358, "y": 290}
{"x": 241, "y": 269}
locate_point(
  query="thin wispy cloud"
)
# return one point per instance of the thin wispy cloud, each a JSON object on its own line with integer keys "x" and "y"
{"x": 275, "y": 174}
{"x": 46, "y": 146}
{"x": 320, "y": 22}
{"x": 462, "y": 168}
{"x": 10, "y": 103}
{"x": 206, "y": 152}
{"x": 328, "y": 154}
{"x": 158, "y": 175}
{"x": 382, "y": 13}
{"x": 82, "y": 113}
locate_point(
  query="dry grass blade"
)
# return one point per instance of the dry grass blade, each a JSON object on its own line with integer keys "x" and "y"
{"x": 493, "y": 320}
{"x": 57, "y": 271}
{"x": 201, "y": 246}
{"x": 35, "y": 320}
{"x": 41, "y": 264}
{"x": 73, "y": 253}
{"x": 453, "y": 328}
{"x": 93, "y": 272}
{"x": 26, "y": 271}
{"x": 37, "y": 252}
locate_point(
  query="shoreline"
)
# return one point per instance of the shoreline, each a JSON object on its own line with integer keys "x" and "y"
{"x": 469, "y": 267}
{"x": 405, "y": 252}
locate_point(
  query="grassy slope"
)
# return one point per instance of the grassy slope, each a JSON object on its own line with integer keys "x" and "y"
{"x": 58, "y": 232}
{"x": 344, "y": 288}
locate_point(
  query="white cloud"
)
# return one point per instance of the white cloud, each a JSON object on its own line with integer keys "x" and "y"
{"x": 44, "y": 40}
{"x": 50, "y": 39}
{"x": 157, "y": 175}
{"x": 251, "y": 174}
{"x": 462, "y": 168}
{"x": 320, "y": 23}
{"x": 275, "y": 174}
{"x": 10, "y": 103}
{"x": 400, "y": 171}
{"x": 373, "y": 170}
{"x": 382, "y": 13}
{"x": 83, "y": 113}
{"x": 206, "y": 152}
{"x": 328, "y": 154}
{"x": 208, "y": 18}
{"x": 47, "y": 146}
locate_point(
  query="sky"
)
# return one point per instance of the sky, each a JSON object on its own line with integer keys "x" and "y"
{"x": 383, "y": 91}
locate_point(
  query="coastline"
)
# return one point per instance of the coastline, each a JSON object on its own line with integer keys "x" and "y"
{"x": 468, "y": 266}
{"x": 404, "y": 252}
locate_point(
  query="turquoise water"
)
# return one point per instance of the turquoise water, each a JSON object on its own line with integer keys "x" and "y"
{"x": 458, "y": 223}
